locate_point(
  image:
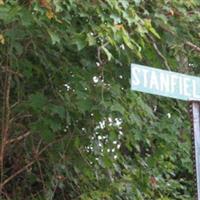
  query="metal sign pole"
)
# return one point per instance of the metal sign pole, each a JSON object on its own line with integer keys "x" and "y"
{"x": 196, "y": 131}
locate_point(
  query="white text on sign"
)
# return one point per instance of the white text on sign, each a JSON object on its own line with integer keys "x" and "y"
{"x": 164, "y": 83}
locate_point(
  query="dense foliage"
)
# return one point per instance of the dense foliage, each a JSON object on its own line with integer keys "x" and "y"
{"x": 70, "y": 126}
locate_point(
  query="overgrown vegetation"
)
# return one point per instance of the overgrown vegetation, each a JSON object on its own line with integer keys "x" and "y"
{"x": 70, "y": 126}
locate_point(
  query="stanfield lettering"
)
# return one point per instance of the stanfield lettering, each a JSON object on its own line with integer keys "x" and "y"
{"x": 180, "y": 85}
{"x": 145, "y": 73}
{"x": 173, "y": 82}
{"x": 165, "y": 83}
{"x": 135, "y": 78}
{"x": 154, "y": 81}
{"x": 186, "y": 84}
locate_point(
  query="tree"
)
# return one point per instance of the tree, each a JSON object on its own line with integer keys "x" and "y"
{"x": 71, "y": 127}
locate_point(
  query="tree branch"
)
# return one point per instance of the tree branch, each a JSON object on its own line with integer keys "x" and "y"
{"x": 193, "y": 46}
{"x": 36, "y": 156}
{"x": 19, "y": 138}
{"x": 159, "y": 52}
{"x": 6, "y": 69}
{"x": 5, "y": 118}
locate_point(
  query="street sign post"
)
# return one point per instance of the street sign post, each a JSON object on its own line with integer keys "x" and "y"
{"x": 196, "y": 132}
{"x": 174, "y": 85}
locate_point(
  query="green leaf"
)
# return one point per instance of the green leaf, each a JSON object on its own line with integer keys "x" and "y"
{"x": 118, "y": 108}
{"x": 37, "y": 101}
{"x": 91, "y": 40}
{"x": 59, "y": 110}
{"x": 148, "y": 25}
{"x": 108, "y": 54}
{"x": 47, "y": 135}
{"x": 124, "y": 3}
{"x": 54, "y": 37}
{"x": 80, "y": 41}
{"x": 55, "y": 126}
{"x": 84, "y": 105}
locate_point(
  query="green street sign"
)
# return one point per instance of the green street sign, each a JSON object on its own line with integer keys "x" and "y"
{"x": 165, "y": 83}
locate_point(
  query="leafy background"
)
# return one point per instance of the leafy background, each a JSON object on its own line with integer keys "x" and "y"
{"x": 71, "y": 127}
